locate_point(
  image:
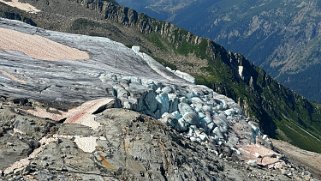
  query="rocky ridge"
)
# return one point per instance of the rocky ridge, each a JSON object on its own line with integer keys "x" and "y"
{"x": 127, "y": 145}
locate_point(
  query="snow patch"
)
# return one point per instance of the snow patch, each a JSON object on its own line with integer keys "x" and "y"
{"x": 182, "y": 75}
{"x": 160, "y": 69}
{"x": 241, "y": 68}
{"x": 87, "y": 144}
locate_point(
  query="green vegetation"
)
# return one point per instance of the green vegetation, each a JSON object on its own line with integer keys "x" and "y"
{"x": 199, "y": 50}
{"x": 298, "y": 136}
{"x": 156, "y": 40}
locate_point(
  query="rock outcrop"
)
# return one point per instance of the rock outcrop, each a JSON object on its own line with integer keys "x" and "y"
{"x": 127, "y": 145}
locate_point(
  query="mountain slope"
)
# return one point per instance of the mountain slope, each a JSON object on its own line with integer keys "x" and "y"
{"x": 282, "y": 113}
{"x": 283, "y": 37}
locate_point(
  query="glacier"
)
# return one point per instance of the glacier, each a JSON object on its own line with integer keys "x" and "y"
{"x": 131, "y": 77}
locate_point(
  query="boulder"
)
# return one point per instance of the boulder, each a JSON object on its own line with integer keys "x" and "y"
{"x": 197, "y": 106}
{"x": 252, "y": 163}
{"x": 223, "y": 128}
{"x": 198, "y": 91}
{"x": 221, "y": 122}
{"x": 192, "y": 138}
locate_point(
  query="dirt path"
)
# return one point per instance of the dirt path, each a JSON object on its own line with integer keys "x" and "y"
{"x": 309, "y": 159}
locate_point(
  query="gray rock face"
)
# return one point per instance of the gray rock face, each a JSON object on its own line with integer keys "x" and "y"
{"x": 20, "y": 136}
{"x": 127, "y": 146}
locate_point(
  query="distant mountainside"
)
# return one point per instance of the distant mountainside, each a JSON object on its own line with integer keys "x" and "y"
{"x": 281, "y": 36}
{"x": 282, "y": 114}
